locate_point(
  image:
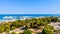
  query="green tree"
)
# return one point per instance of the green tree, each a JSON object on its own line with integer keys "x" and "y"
{"x": 27, "y": 23}
{"x": 12, "y": 28}
{"x": 27, "y": 32}
{"x": 47, "y": 30}
{"x": 1, "y": 29}
{"x": 54, "y": 19}
{"x": 6, "y": 27}
{"x": 7, "y": 31}
{"x": 40, "y": 27}
{"x": 13, "y": 33}
{"x": 48, "y": 19}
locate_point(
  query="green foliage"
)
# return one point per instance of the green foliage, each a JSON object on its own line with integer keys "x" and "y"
{"x": 13, "y": 33}
{"x": 56, "y": 30}
{"x": 48, "y": 26}
{"x": 47, "y": 30}
{"x": 1, "y": 29}
{"x": 7, "y": 31}
{"x": 12, "y": 28}
{"x": 20, "y": 33}
{"x": 40, "y": 27}
{"x": 54, "y": 19}
{"x": 27, "y": 32}
{"x": 29, "y": 23}
{"x": 6, "y": 27}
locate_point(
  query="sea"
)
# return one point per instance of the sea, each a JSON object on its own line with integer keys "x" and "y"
{"x": 19, "y": 16}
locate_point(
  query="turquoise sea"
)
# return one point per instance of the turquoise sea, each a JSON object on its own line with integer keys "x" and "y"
{"x": 32, "y": 15}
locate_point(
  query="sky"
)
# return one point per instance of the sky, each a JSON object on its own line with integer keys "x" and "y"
{"x": 29, "y": 6}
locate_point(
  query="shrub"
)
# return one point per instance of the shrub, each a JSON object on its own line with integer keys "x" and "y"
{"x": 47, "y": 30}
{"x": 27, "y": 32}
{"x": 13, "y": 28}
{"x": 13, "y": 33}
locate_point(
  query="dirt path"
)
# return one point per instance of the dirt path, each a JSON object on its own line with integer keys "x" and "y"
{"x": 21, "y": 29}
{"x": 18, "y": 30}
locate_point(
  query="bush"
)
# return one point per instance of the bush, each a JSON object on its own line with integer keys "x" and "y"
{"x": 47, "y": 30}
{"x": 20, "y": 33}
{"x": 1, "y": 29}
{"x": 13, "y": 33}
{"x": 27, "y": 32}
{"x": 40, "y": 27}
{"x": 13, "y": 28}
{"x": 7, "y": 31}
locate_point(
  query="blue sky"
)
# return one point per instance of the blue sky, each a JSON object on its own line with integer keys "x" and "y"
{"x": 29, "y": 6}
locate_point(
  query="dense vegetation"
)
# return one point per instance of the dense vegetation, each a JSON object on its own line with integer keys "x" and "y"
{"x": 27, "y": 32}
{"x": 13, "y": 33}
{"x": 48, "y": 30}
{"x": 29, "y": 23}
